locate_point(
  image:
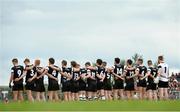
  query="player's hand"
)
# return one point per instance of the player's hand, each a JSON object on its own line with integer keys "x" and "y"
{"x": 29, "y": 80}
{"x": 101, "y": 80}
{"x": 128, "y": 77}
{"x": 9, "y": 85}
{"x": 56, "y": 79}
{"x": 37, "y": 77}
{"x": 16, "y": 79}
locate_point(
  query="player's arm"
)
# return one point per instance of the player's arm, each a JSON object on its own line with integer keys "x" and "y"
{"x": 11, "y": 79}
{"x": 22, "y": 76}
{"x": 103, "y": 77}
{"x": 42, "y": 74}
{"x": 147, "y": 74}
{"x": 29, "y": 68}
{"x": 116, "y": 75}
{"x": 98, "y": 76}
{"x": 40, "y": 70}
{"x": 52, "y": 77}
{"x": 55, "y": 68}
{"x": 35, "y": 75}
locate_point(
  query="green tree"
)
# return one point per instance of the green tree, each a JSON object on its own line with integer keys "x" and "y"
{"x": 135, "y": 57}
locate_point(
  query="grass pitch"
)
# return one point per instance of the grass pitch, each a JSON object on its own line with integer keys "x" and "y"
{"x": 94, "y": 106}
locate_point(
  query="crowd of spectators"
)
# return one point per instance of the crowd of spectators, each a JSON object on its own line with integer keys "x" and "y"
{"x": 174, "y": 86}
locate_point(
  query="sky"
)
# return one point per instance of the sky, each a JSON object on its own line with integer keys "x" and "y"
{"x": 84, "y": 30}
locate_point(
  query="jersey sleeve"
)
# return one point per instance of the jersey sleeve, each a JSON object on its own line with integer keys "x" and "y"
{"x": 12, "y": 70}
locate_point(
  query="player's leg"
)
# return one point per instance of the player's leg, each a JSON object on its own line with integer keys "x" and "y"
{"x": 140, "y": 93}
{"x": 65, "y": 96}
{"x": 42, "y": 96}
{"x": 77, "y": 96}
{"x": 37, "y": 96}
{"x": 121, "y": 93}
{"x": 150, "y": 94}
{"x": 29, "y": 95}
{"x": 115, "y": 94}
{"x": 50, "y": 95}
{"x": 69, "y": 95}
{"x": 128, "y": 95}
{"x": 154, "y": 95}
{"x": 15, "y": 96}
{"x": 20, "y": 94}
{"x": 161, "y": 96}
{"x": 166, "y": 96}
{"x": 143, "y": 93}
{"x": 109, "y": 94}
{"x": 56, "y": 97}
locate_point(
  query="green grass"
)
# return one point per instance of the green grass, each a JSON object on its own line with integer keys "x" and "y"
{"x": 94, "y": 106}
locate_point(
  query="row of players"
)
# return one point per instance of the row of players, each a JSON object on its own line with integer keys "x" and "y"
{"x": 91, "y": 82}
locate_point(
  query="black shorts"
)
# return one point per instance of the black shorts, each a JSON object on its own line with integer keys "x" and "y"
{"x": 142, "y": 83}
{"x": 163, "y": 84}
{"x": 151, "y": 86}
{"x": 39, "y": 85}
{"x": 17, "y": 87}
{"x": 75, "y": 86}
{"x": 100, "y": 85}
{"x": 30, "y": 86}
{"x": 129, "y": 86}
{"x": 107, "y": 86}
{"x": 119, "y": 84}
{"x": 92, "y": 86}
{"x": 82, "y": 86}
{"x": 53, "y": 85}
{"x": 66, "y": 86}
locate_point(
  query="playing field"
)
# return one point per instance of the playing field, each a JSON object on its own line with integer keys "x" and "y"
{"x": 94, "y": 106}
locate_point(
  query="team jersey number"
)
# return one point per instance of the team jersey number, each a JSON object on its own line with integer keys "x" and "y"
{"x": 131, "y": 73}
{"x": 108, "y": 76}
{"x": 54, "y": 73}
{"x": 119, "y": 71}
{"x": 32, "y": 72}
{"x": 102, "y": 73}
{"x": 76, "y": 75}
{"x": 19, "y": 72}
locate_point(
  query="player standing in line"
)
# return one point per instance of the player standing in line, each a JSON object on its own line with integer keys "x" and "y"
{"x": 151, "y": 86}
{"x": 100, "y": 78}
{"x": 66, "y": 80}
{"x": 40, "y": 89}
{"x": 91, "y": 81}
{"x": 75, "y": 81}
{"x": 129, "y": 73}
{"x": 82, "y": 84}
{"x": 30, "y": 79}
{"x": 163, "y": 75}
{"x": 142, "y": 70}
{"x": 108, "y": 84}
{"x": 52, "y": 72}
{"x": 118, "y": 87}
{"x": 16, "y": 77}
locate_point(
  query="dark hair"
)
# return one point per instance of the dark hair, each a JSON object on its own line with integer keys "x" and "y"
{"x": 26, "y": 60}
{"x": 149, "y": 62}
{"x": 117, "y": 60}
{"x": 99, "y": 61}
{"x": 161, "y": 58}
{"x": 129, "y": 61}
{"x": 15, "y": 60}
{"x": 51, "y": 60}
{"x": 104, "y": 63}
{"x": 87, "y": 64}
{"x": 140, "y": 60}
{"x": 73, "y": 63}
{"x": 64, "y": 62}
